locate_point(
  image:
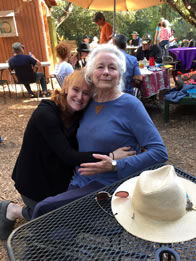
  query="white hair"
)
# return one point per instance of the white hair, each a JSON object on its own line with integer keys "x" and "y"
{"x": 105, "y": 48}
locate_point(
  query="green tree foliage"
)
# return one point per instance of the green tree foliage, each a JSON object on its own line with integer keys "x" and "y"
{"x": 185, "y": 8}
{"x": 75, "y": 22}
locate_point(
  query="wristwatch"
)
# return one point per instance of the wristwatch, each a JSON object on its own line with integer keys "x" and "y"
{"x": 114, "y": 165}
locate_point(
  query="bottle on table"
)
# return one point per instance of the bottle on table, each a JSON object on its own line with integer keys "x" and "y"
{"x": 145, "y": 62}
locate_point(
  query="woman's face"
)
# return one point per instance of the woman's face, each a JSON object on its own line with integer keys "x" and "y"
{"x": 106, "y": 73}
{"x": 78, "y": 96}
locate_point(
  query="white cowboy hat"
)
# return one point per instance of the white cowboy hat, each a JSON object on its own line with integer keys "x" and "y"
{"x": 156, "y": 207}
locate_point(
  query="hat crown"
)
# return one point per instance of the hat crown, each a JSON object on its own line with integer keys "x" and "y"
{"x": 146, "y": 37}
{"x": 160, "y": 195}
{"x": 84, "y": 47}
{"x": 17, "y": 45}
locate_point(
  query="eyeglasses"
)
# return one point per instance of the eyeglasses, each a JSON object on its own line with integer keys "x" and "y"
{"x": 103, "y": 196}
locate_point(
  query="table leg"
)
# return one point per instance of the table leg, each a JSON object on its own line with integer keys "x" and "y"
{"x": 166, "y": 111}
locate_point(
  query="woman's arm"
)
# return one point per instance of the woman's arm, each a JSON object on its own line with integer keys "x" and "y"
{"x": 47, "y": 121}
{"x": 155, "y": 37}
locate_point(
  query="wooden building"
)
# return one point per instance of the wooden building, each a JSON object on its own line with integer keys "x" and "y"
{"x": 28, "y": 22}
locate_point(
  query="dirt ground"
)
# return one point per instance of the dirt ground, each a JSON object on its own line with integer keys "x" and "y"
{"x": 179, "y": 136}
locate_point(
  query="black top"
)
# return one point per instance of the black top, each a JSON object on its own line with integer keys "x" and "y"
{"x": 135, "y": 42}
{"x": 48, "y": 154}
{"x": 23, "y": 66}
{"x": 153, "y": 51}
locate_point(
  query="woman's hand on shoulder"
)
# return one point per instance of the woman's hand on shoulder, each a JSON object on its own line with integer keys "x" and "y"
{"x": 122, "y": 153}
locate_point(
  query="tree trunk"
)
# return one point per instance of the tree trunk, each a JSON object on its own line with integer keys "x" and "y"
{"x": 65, "y": 15}
{"x": 187, "y": 14}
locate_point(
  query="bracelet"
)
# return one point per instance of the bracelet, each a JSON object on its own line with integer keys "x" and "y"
{"x": 112, "y": 155}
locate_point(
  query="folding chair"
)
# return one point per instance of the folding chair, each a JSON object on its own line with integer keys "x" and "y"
{"x": 4, "y": 84}
{"x": 58, "y": 78}
{"x": 137, "y": 86}
{"x": 171, "y": 60}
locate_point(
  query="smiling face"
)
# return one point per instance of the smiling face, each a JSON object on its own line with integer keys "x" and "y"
{"x": 78, "y": 96}
{"x": 106, "y": 73}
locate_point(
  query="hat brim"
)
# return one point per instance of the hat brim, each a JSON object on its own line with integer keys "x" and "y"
{"x": 146, "y": 41}
{"x": 145, "y": 227}
{"x": 83, "y": 50}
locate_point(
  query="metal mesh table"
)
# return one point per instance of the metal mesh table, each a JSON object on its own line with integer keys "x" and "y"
{"x": 82, "y": 231}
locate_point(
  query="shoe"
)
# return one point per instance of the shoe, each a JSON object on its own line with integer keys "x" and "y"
{"x": 6, "y": 225}
{"x": 46, "y": 94}
{"x": 31, "y": 95}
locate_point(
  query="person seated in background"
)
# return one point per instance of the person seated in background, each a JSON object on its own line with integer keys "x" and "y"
{"x": 132, "y": 65}
{"x": 86, "y": 39}
{"x": 62, "y": 67}
{"x": 192, "y": 43}
{"x": 94, "y": 43}
{"x": 148, "y": 50}
{"x": 185, "y": 43}
{"x": 19, "y": 60}
{"x": 79, "y": 60}
{"x": 106, "y": 28}
{"x": 136, "y": 40}
{"x": 172, "y": 40}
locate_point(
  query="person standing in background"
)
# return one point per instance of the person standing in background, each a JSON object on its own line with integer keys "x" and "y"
{"x": 106, "y": 28}
{"x": 164, "y": 36}
{"x": 157, "y": 31}
{"x": 94, "y": 43}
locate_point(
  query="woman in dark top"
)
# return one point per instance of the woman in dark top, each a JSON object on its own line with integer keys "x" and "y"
{"x": 49, "y": 150}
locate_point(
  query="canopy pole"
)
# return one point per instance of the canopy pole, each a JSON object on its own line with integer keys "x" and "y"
{"x": 114, "y": 19}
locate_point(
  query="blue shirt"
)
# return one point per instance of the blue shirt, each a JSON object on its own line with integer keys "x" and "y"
{"x": 121, "y": 122}
{"x": 132, "y": 69}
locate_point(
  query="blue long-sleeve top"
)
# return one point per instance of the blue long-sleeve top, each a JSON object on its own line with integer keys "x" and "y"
{"x": 121, "y": 122}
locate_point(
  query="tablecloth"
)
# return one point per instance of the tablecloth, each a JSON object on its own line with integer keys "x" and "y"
{"x": 154, "y": 82}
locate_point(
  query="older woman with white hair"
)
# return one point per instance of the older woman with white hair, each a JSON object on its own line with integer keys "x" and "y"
{"x": 113, "y": 119}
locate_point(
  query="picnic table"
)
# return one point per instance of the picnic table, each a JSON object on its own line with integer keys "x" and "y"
{"x": 186, "y": 55}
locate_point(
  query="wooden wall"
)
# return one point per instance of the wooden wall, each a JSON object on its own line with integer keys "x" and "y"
{"x": 31, "y": 30}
